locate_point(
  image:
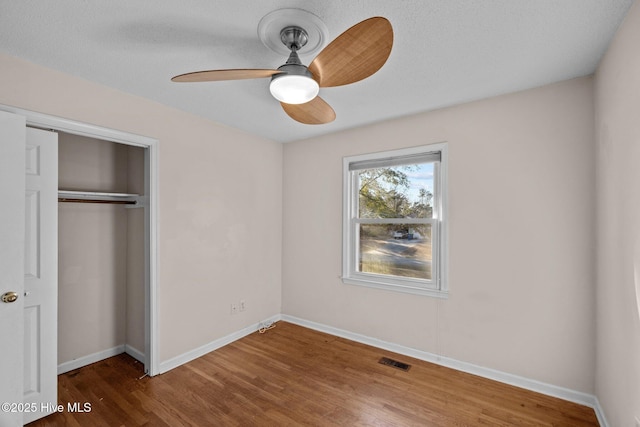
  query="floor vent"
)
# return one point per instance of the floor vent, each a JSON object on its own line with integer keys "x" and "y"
{"x": 394, "y": 363}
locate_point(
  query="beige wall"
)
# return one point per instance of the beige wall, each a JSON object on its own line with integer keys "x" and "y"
{"x": 522, "y": 191}
{"x": 618, "y": 287}
{"x": 220, "y": 210}
{"x": 101, "y": 248}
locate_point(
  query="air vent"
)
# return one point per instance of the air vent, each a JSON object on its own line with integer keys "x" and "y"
{"x": 394, "y": 363}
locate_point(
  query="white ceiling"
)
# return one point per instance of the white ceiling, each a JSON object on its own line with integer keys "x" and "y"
{"x": 445, "y": 52}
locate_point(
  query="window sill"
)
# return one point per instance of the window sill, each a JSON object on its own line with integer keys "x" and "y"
{"x": 369, "y": 283}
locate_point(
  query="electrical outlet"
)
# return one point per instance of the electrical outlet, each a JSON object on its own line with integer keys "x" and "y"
{"x": 243, "y": 305}
{"x": 234, "y": 308}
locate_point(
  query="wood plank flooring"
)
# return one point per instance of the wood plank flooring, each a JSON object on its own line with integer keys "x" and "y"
{"x": 292, "y": 376}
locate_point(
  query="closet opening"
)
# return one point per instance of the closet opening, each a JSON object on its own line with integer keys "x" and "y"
{"x": 102, "y": 254}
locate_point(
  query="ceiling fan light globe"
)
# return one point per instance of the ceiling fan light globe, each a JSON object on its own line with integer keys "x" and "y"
{"x": 293, "y": 89}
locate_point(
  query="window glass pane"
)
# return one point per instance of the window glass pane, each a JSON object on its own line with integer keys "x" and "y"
{"x": 395, "y": 250}
{"x": 396, "y": 192}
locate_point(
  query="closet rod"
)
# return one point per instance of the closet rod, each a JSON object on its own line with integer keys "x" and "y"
{"x": 69, "y": 196}
{"x": 112, "y": 202}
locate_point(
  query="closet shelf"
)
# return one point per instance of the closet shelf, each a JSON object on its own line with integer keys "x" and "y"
{"x": 68, "y": 196}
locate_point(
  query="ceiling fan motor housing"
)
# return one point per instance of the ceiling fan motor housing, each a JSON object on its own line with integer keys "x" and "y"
{"x": 293, "y": 66}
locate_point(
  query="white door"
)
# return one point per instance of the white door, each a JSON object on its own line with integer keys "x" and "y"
{"x": 12, "y": 187}
{"x": 41, "y": 275}
{"x": 28, "y": 271}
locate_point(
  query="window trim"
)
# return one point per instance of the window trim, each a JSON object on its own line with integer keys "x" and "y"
{"x": 440, "y": 247}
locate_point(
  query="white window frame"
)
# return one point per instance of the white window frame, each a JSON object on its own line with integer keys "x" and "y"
{"x": 438, "y": 286}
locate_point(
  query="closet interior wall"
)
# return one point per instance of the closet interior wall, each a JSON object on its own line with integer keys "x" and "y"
{"x": 100, "y": 252}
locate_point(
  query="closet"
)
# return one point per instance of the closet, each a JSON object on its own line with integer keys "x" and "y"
{"x": 101, "y": 250}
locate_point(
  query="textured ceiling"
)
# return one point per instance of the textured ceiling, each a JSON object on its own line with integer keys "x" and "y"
{"x": 445, "y": 52}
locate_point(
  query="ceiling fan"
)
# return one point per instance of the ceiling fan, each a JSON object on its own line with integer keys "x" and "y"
{"x": 354, "y": 55}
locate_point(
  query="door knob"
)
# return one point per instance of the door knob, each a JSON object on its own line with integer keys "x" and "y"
{"x": 9, "y": 297}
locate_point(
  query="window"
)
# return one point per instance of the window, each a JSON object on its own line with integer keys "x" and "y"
{"x": 394, "y": 220}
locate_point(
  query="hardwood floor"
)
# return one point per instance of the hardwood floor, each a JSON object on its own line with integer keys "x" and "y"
{"x": 293, "y": 376}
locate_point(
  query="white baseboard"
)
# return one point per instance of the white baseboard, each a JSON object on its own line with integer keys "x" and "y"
{"x": 503, "y": 377}
{"x": 87, "y": 360}
{"x": 134, "y": 352}
{"x": 214, "y": 345}
{"x": 101, "y": 355}
{"x": 602, "y": 420}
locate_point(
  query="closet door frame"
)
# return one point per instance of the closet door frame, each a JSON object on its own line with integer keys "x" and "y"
{"x": 45, "y": 121}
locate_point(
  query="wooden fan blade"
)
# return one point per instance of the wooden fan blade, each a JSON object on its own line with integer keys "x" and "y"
{"x": 355, "y": 54}
{"x": 314, "y": 112}
{"x": 219, "y": 75}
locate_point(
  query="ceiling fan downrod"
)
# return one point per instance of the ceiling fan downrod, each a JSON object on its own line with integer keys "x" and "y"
{"x": 294, "y": 38}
